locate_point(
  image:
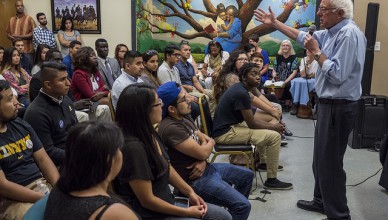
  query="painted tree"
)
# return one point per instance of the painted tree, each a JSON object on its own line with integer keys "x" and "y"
{"x": 182, "y": 9}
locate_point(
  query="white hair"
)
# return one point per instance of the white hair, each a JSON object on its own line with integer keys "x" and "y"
{"x": 292, "y": 51}
{"x": 345, "y": 5}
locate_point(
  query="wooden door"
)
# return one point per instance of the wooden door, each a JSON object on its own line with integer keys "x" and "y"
{"x": 7, "y": 10}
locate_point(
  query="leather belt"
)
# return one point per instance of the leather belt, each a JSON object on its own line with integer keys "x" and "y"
{"x": 335, "y": 101}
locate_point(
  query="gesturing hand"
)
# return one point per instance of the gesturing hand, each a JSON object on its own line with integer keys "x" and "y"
{"x": 265, "y": 17}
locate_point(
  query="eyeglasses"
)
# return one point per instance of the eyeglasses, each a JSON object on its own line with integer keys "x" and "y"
{"x": 178, "y": 55}
{"x": 160, "y": 103}
{"x": 243, "y": 59}
{"x": 184, "y": 99}
{"x": 184, "y": 42}
{"x": 151, "y": 52}
{"x": 324, "y": 10}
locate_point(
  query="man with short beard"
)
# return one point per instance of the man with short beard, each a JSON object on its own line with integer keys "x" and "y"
{"x": 41, "y": 34}
{"x": 23, "y": 160}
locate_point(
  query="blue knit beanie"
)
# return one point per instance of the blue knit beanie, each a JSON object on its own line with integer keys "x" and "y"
{"x": 168, "y": 92}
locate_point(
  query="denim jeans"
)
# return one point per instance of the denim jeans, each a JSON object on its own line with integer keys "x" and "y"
{"x": 215, "y": 186}
{"x": 213, "y": 213}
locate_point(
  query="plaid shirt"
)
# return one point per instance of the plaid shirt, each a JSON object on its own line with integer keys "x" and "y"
{"x": 43, "y": 36}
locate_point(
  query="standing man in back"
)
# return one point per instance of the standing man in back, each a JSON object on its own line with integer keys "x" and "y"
{"x": 21, "y": 27}
{"x": 109, "y": 67}
{"x": 41, "y": 34}
{"x": 340, "y": 52}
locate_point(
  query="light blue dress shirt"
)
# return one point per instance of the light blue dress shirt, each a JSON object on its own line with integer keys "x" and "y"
{"x": 119, "y": 85}
{"x": 340, "y": 75}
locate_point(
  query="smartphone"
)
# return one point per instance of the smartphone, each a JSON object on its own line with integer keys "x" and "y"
{"x": 94, "y": 106}
{"x": 182, "y": 202}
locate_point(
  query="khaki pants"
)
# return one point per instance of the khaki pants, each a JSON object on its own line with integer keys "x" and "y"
{"x": 14, "y": 210}
{"x": 209, "y": 96}
{"x": 263, "y": 139}
{"x": 102, "y": 113}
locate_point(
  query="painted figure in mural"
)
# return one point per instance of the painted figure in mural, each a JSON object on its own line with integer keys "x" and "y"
{"x": 230, "y": 39}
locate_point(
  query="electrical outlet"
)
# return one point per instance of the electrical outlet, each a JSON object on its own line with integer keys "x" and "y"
{"x": 377, "y": 46}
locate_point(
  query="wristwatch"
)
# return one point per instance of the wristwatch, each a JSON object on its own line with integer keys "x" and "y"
{"x": 317, "y": 56}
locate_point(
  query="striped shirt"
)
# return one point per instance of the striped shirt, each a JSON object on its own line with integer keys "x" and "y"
{"x": 22, "y": 25}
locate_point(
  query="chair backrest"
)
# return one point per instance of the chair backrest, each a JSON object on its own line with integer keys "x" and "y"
{"x": 206, "y": 118}
{"x": 36, "y": 212}
{"x": 110, "y": 104}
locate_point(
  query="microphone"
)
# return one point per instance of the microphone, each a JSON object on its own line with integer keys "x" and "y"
{"x": 312, "y": 29}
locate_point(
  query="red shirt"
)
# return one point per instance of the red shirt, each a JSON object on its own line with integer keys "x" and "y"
{"x": 82, "y": 87}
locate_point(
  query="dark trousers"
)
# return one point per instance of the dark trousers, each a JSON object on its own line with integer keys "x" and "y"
{"x": 334, "y": 124}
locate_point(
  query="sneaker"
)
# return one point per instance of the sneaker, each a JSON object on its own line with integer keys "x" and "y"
{"x": 283, "y": 141}
{"x": 276, "y": 184}
{"x": 262, "y": 167}
{"x": 287, "y": 131}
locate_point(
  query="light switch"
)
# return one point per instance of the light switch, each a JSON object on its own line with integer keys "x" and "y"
{"x": 377, "y": 46}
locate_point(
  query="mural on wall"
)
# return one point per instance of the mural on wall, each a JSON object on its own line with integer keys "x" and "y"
{"x": 231, "y": 22}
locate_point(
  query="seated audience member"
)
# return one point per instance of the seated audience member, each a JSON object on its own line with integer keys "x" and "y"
{"x": 151, "y": 64}
{"x": 23, "y": 160}
{"x": 302, "y": 86}
{"x": 285, "y": 68}
{"x": 52, "y": 113}
{"x": 133, "y": 67}
{"x": 1, "y": 55}
{"x": 87, "y": 83}
{"x": 189, "y": 149}
{"x": 120, "y": 51}
{"x": 15, "y": 74}
{"x": 254, "y": 39}
{"x": 68, "y": 60}
{"x": 213, "y": 62}
{"x": 93, "y": 159}
{"x": 249, "y": 49}
{"x": 109, "y": 67}
{"x": 40, "y": 55}
{"x": 146, "y": 172}
{"x": 187, "y": 73}
{"x": 25, "y": 61}
{"x": 168, "y": 72}
{"x": 234, "y": 107}
{"x": 80, "y": 105}
{"x": 67, "y": 34}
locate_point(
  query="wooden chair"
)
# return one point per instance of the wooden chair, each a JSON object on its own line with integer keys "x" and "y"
{"x": 110, "y": 104}
{"x": 206, "y": 126}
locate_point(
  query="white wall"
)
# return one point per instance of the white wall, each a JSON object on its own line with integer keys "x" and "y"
{"x": 115, "y": 21}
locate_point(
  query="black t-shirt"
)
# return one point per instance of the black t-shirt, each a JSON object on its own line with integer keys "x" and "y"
{"x": 51, "y": 121}
{"x": 62, "y": 206}
{"x": 137, "y": 164}
{"x": 284, "y": 66}
{"x": 228, "y": 111}
{"x": 173, "y": 132}
{"x": 17, "y": 146}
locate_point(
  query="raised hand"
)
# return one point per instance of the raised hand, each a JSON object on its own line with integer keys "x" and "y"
{"x": 265, "y": 17}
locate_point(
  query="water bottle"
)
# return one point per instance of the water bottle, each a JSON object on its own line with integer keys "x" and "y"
{"x": 41, "y": 187}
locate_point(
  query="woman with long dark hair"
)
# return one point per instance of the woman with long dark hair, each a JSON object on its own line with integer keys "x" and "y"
{"x": 146, "y": 173}
{"x": 213, "y": 62}
{"x": 15, "y": 74}
{"x": 120, "y": 51}
{"x": 40, "y": 56}
{"x": 231, "y": 67}
{"x": 93, "y": 159}
{"x": 67, "y": 34}
{"x": 151, "y": 64}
